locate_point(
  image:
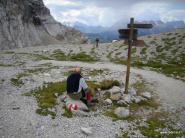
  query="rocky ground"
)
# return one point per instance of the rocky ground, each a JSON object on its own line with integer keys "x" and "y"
{"x": 23, "y": 70}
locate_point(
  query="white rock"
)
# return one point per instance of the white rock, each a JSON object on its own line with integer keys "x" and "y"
{"x": 137, "y": 99}
{"x": 132, "y": 92}
{"x": 47, "y": 74}
{"x": 79, "y": 103}
{"x": 127, "y": 98}
{"x": 86, "y": 130}
{"x": 115, "y": 97}
{"x": 122, "y": 102}
{"x": 122, "y": 112}
{"x": 108, "y": 101}
{"x": 114, "y": 90}
{"x": 147, "y": 95}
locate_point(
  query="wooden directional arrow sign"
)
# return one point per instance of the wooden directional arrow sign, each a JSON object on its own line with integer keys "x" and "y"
{"x": 125, "y": 33}
{"x": 144, "y": 26}
{"x": 137, "y": 43}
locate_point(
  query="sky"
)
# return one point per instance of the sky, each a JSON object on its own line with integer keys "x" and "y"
{"x": 108, "y": 12}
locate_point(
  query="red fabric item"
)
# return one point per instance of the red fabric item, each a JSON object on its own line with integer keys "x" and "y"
{"x": 89, "y": 96}
{"x": 73, "y": 107}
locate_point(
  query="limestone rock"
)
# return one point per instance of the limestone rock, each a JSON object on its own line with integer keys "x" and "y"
{"x": 147, "y": 95}
{"x": 108, "y": 102}
{"x": 127, "y": 98}
{"x": 114, "y": 90}
{"x": 79, "y": 103}
{"x": 132, "y": 92}
{"x": 29, "y": 23}
{"x": 122, "y": 112}
{"x": 115, "y": 97}
{"x": 86, "y": 130}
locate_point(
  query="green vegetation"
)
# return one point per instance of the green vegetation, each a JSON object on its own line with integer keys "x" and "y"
{"x": 82, "y": 56}
{"x": 67, "y": 113}
{"x": 8, "y": 52}
{"x": 16, "y": 82}
{"x": 95, "y": 72}
{"x": 143, "y": 51}
{"x": 4, "y": 65}
{"x": 141, "y": 86}
{"x": 46, "y": 98}
{"x": 154, "y": 129}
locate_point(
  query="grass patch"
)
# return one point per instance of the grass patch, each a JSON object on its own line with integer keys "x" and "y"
{"x": 46, "y": 98}
{"x": 67, "y": 113}
{"x": 95, "y": 72}
{"x": 82, "y": 57}
{"x": 143, "y": 51}
{"x": 59, "y": 55}
{"x": 155, "y": 127}
{"x": 5, "y": 65}
{"x": 16, "y": 82}
{"x": 141, "y": 86}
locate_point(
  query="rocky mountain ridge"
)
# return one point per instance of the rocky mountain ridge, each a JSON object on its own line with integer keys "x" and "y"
{"x": 26, "y": 23}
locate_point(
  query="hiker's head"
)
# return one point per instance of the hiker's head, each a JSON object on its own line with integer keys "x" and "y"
{"x": 77, "y": 70}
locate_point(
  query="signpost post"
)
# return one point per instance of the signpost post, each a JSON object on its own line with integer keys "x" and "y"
{"x": 131, "y": 35}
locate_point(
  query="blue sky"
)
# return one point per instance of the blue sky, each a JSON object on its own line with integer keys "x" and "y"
{"x": 108, "y": 12}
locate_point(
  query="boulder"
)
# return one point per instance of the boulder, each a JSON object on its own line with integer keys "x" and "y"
{"x": 86, "y": 130}
{"x": 122, "y": 112}
{"x": 115, "y": 97}
{"x": 147, "y": 95}
{"x": 132, "y": 92}
{"x": 108, "y": 102}
{"x": 114, "y": 90}
{"x": 121, "y": 102}
{"x": 137, "y": 99}
{"x": 127, "y": 98}
{"x": 80, "y": 105}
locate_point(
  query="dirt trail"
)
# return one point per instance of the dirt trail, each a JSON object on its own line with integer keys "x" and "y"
{"x": 170, "y": 91}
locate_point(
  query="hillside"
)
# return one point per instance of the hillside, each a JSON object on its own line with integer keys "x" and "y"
{"x": 25, "y": 23}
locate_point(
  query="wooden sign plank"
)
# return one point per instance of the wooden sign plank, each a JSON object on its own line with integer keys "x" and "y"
{"x": 144, "y": 26}
{"x": 125, "y": 33}
{"x": 137, "y": 43}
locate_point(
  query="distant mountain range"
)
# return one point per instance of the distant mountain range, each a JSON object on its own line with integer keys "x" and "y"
{"x": 107, "y": 34}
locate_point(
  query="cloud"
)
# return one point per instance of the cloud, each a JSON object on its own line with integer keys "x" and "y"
{"x": 108, "y": 12}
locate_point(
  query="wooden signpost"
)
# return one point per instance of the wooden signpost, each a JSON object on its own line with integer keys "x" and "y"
{"x": 130, "y": 35}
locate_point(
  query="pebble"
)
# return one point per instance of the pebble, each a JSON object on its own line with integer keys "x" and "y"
{"x": 86, "y": 130}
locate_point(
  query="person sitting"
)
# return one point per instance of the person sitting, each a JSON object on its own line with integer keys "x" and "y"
{"x": 77, "y": 87}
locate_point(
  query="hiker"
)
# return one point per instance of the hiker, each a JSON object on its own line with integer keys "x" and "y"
{"x": 97, "y": 42}
{"x": 77, "y": 88}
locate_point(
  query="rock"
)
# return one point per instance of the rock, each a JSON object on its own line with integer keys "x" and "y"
{"x": 132, "y": 92}
{"x": 80, "y": 113}
{"x": 147, "y": 95}
{"x": 108, "y": 102}
{"x": 56, "y": 94}
{"x": 86, "y": 130}
{"x": 122, "y": 112}
{"x": 115, "y": 97}
{"x": 121, "y": 102}
{"x": 47, "y": 74}
{"x": 16, "y": 108}
{"x": 29, "y": 23}
{"x": 127, "y": 98}
{"x": 114, "y": 90}
{"x": 137, "y": 99}
{"x": 79, "y": 103}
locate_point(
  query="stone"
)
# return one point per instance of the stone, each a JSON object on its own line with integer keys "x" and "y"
{"x": 121, "y": 102}
{"x": 147, "y": 95}
{"x": 29, "y": 23}
{"x": 132, "y": 92}
{"x": 108, "y": 102}
{"x": 114, "y": 90}
{"x": 86, "y": 130}
{"x": 137, "y": 99}
{"x": 79, "y": 103}
{"x": 127, "y": 98}
{"x": 122, "y": 112}
{"x": 115, "y": 97}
